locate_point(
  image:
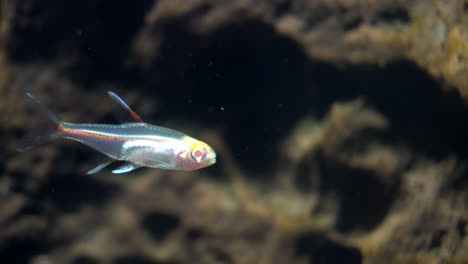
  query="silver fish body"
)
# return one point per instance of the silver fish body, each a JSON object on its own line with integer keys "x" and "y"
{"x": 138, "y": 144}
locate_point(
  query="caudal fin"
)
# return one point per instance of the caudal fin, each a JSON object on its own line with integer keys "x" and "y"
{"x": 30, "y": 142}
{"x": 34, "y": 140}
{"x": 43, "y": 109}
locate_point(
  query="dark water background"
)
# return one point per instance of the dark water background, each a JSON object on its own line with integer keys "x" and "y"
{"x": 339, "y": 139}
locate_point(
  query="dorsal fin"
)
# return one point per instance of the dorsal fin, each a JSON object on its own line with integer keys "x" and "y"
{"x": 120, "y": 102}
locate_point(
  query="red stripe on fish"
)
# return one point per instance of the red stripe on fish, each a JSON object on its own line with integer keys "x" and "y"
{"x": 85, "y": 133}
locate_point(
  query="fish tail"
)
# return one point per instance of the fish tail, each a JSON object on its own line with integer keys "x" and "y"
{"x": 44, "y": 110}
{"x": 33, "y": 140}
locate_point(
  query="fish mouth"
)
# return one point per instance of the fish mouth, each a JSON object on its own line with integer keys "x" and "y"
{"x": 207, "y": 163}
{"x": 211, "y": 157}
{"x": 211, "y": 161}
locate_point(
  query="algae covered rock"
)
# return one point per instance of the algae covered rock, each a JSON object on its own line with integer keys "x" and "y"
{"x": 340, "y": 126}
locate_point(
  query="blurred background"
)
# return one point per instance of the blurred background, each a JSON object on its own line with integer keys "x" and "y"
{"x": 341, "y": 129}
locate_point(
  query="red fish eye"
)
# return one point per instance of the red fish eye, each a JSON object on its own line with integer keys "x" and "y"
{"x": 198, "y": 154}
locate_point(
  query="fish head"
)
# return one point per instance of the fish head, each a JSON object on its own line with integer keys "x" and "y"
{"x": 195, "y": 155}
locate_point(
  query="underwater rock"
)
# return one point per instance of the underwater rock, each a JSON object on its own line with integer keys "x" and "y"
{"x": 335, "y": 142}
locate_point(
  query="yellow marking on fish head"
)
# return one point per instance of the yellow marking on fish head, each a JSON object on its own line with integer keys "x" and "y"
{"x": 200, "y": 152}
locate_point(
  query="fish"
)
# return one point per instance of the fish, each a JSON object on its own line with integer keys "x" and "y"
{"x": 135, "y": 143}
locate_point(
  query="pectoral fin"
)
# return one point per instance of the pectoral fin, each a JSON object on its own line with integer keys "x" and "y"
{"x": 126, "y": 167}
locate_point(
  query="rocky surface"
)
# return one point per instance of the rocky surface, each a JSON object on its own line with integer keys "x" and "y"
{"x": 340, "y": 128}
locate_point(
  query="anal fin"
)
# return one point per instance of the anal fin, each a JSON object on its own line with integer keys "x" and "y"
{"x": 99, "y": 167}
{"x": 126, "y": 167}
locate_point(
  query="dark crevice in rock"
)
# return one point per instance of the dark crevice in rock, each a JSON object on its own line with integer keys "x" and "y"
{"x": 101, "y": 38}
{"x": 68, "y": 193}
{"x": 394, "y": 15}
{"x": 84, "y": 260}
{"x": 421, "y": 115}
{"x": 136, "y": 259}
{"x": 19, "y": 182}
{"x": 316, "y": 16}
{"x": 460, "y": 183}
{"x": 462, "y": 227}
{"x": 219, "y": 256}
{"x": 364, "y": 199}
{"x": 305, "y": 177}
{"x": 255, "y": 75}
{"x": 282, "y": 8}
{"x": 21, "y": 249}
{"x": 35, "y": 208}
{"x": 437, "y": 239}
{"x": 159, "y": 225}
{"x": 320, "y": 250}
{"x": 353, "y": 24}
{"x": 194, "y": 234}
